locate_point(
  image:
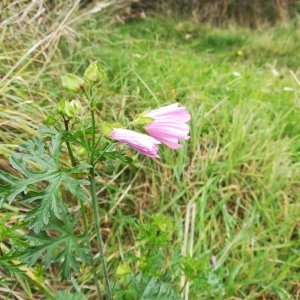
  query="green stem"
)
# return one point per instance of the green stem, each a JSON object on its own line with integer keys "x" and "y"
{"x": 82, "y": 209}
{"x": 74, "y": 163}
{"x": 73, "y": 160}
{"x": 98, "y": 233}
{"x": 89, "y": 96}
{"x": 95, "y": 273}
{"x": 93, "y": 133}
{"x": 92, "y": 161}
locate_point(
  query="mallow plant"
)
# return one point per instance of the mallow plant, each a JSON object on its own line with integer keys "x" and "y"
{"x": 55, "y": 175}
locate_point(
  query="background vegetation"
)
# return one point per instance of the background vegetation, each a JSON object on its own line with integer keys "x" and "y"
{"x": 219, "y": 12}
{"x": 240, "y": 168}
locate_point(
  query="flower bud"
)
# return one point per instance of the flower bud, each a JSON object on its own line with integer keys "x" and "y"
{"x": 93, "y": 74}
{"x": 61, "y": 107}
{"x": 70, "y": 109}
{"x": 72, "y": 82}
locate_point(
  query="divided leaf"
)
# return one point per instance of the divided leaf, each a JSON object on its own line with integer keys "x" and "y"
{"x": 143, "y": 287}
{"x": 154, "y": 289}
{"x": 41, "y": 181}
{"x": 65, "y": 247}
{"x": 66, "y": 295}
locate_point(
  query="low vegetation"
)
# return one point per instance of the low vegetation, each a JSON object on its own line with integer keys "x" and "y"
{"x": 238, "y": 173}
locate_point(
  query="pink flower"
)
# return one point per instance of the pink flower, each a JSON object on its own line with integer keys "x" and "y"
{"x": 168, "y": 125}
{"x": 141, "y": 142}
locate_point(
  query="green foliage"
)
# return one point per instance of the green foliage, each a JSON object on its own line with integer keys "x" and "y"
{"x": 63, "y": 246}
{"x": 54, "y": 240}
{"x": 12, "y": 242}
{"x": 63, "y": 295}
{"x": 201, "y": 273}
{"x": 142, "y": 287}
{"x": 240, "y": 167}
{"x": 39, "y": 164}
{"x": 158, "y": 233}
{"x": 155, "y": 238}
{"x": 7, "y": 263}
{"x": 11, "y": 233}
{"x": 153, "y": 278}
{"x": 107, "y": 153}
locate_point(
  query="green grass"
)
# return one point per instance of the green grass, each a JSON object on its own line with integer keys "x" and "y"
{"x": 240, "y": 167}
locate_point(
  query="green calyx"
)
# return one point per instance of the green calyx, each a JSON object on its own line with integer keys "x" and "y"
{"x": 142, "y": 121}
{"x": 93, "y": 74}
{"x": 70, "y": 109}
{"x": 108, "y": 127}
{"x": 72, "y": 83}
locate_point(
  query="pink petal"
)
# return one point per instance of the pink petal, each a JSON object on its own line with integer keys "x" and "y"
{"x": 180, "y": 130}
{"x": 170, "y": 112}
{"x": 171, "y": 143}
{"x": 145, "y": 144}
{"x": 168, "y": 125}
{"x": 164, "y": 109}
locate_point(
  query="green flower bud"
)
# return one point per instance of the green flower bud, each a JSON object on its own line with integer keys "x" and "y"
{"x": 72, "y": 83}
{"x": 93, "y": 74}
{"x": 61, "y": 107}
{"x": 70, "y": 109}
{"x": 75, "y": 109}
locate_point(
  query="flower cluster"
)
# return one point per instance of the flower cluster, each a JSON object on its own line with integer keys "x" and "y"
{"x": 166, "y": 125}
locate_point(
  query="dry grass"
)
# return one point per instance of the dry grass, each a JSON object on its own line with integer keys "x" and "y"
{"x": 253, "y": 14}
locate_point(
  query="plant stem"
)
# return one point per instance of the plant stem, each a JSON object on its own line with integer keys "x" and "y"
{"x": 73, "y": 160}
{"x": 93, "y": 132}
{"x": 82, "y": 209}
{"x": 98, "y": 233}
{"x": 89, "y": 96}
{"x": 74, "y": 163}
{"x": 92, "y": 161}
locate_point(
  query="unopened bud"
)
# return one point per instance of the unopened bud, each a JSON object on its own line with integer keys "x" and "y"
{"x": 93, "y": 74}
{"x": 72, "y": 82}
{"x": 70, "y": 109}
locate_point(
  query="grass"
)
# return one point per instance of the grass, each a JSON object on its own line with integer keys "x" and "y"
{"x": 240, "y": 167}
